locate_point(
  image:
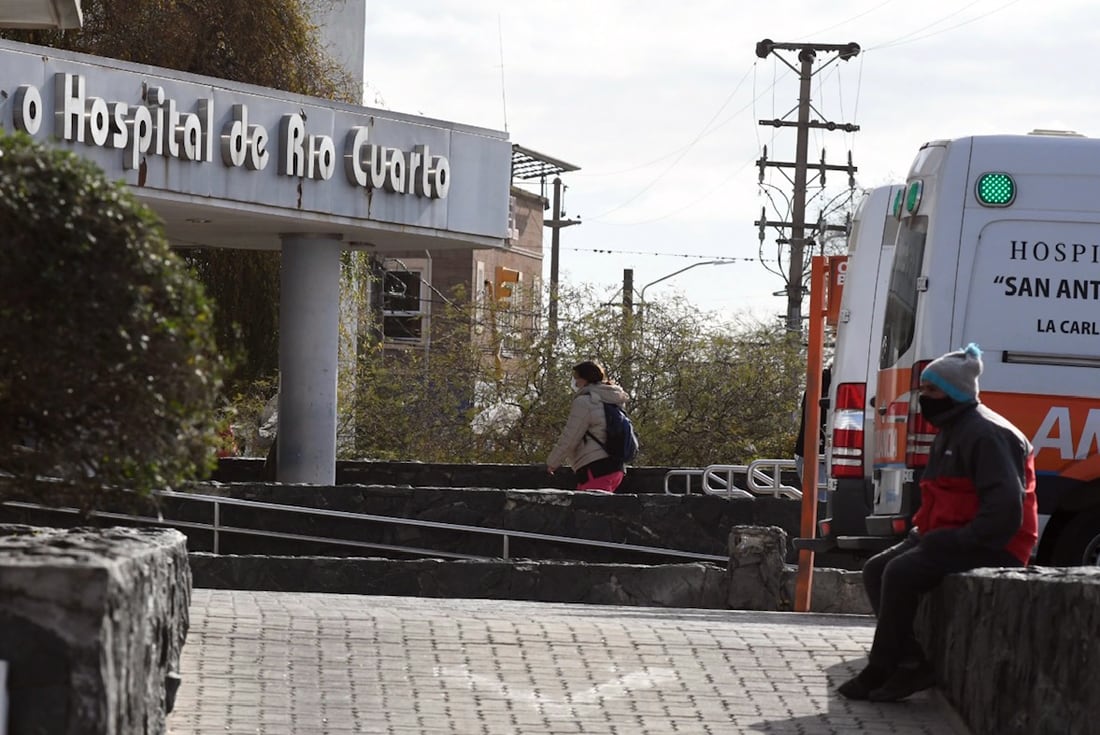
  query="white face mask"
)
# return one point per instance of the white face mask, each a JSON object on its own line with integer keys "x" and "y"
{"x": 576, "y": 386}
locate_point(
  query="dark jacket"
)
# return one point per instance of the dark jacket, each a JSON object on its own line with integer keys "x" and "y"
{"x": 978, "y": 489}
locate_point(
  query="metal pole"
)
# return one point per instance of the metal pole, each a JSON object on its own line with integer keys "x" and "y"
{"x": 3, "y": 698}
{"x": 814, "y": 359}
{"x": 627, "y": 376}
{"x": 555, "y": 229}
{"x": 217, "y": 522}
{"x": 798, "y": 205}
{"x": 628, "y": 291}
{"x": 641, "y": 296}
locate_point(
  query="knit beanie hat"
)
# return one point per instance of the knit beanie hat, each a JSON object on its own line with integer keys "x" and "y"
{"x": 956, "y": 373}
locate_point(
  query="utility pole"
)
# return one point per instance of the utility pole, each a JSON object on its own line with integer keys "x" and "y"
{"x": 806, "y": 55}
{"x": 627, "y": 374}
{"x": 555, "y": 225}
{"x": 628, "y": 292}
{"x": 529, "y": 165}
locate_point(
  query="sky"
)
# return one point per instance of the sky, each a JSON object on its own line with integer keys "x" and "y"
{"x": 659, "y": 105}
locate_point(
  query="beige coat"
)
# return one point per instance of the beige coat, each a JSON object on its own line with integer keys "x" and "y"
{"x": 574, "y": 448}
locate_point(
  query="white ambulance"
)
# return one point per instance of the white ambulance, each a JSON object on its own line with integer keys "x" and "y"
{"x": 999, "y": 244}
{"x": 849, "y": 422}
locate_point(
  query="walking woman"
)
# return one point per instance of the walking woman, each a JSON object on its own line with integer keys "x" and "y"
{"x": 580, "y": 444}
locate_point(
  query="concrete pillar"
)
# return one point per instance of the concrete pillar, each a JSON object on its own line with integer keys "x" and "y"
{"x": 309, "y": 326}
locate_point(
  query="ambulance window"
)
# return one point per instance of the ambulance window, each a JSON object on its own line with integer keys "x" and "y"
{"x": 901, "y": 300}
{"x": 853, "y": 235}
{"x": 890, "y": 232}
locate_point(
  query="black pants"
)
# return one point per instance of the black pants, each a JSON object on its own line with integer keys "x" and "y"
{"x": 895, "y": 581}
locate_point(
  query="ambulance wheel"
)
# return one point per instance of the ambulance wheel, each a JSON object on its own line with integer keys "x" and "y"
{"x": 1079, "y": 542}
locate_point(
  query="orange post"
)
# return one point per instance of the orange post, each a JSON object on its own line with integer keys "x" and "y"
{"x": 814, "y": 358}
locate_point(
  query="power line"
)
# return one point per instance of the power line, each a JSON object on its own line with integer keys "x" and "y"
{"x": 859, "y": 90}
{"x": 697, "y": 200}
{"x": 704, "y": 133}
{"x": 845, "y": 22}
{"x": 610, "y": 251}
{"x": 912, "y": 36}
{"x": 682, "y": 149}
{"x": 683, "y": 152}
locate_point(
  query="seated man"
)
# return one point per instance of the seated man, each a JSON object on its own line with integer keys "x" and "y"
{"x": 977, "y": 510}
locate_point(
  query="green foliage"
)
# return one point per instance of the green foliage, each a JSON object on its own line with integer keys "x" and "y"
{"x": 245, "y": 285}
{"x": 273, "y": 43}
{"x": 412, "y": 404}
{"x": 704, "y": 391}
{"x": 108, "y": 368}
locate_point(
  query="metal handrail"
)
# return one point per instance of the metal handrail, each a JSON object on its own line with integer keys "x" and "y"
{"x": 3, "y": 697}
{"x": 505, "y": 535}
{"x": 763, "y": 477}
{"x": 763, "y": 482}
{"x": 718, "y": 480}
{"x": 687, "y": 473}
{"x": 248, "y": 532}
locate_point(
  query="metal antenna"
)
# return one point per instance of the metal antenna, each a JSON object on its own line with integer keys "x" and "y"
{"x": 503, "y": 98}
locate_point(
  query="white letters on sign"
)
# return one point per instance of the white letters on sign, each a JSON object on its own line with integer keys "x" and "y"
{"x": 159, "y": 125}
{"x": 1057, "y": 432}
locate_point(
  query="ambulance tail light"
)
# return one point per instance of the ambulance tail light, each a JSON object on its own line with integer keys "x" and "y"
{"x": 919, "y": 431}
{"x": 847, "y": 451}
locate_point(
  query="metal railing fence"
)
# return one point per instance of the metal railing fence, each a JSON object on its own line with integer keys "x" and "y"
{"x": 761, "y": 477}
{"x": 217, "y": 528}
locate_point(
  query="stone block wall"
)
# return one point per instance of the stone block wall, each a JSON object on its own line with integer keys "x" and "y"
{"x": 667, "y": 585}
{"x": 1017, "y": 650}
{"x": 639, "y": 480}
{"x": 92, "y": 622}
{"x": 755, "y": 579}
{"x": 693, "y": 523}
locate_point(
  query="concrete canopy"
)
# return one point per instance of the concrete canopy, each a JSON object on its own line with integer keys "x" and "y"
{"x": 61, "y": 14}
{"x": 236, "y": 166}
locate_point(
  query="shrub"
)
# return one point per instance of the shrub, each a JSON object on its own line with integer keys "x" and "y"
{"x": 108, "y": 368}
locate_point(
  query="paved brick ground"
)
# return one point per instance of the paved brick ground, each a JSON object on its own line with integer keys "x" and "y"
{"x": 259, "y": 662}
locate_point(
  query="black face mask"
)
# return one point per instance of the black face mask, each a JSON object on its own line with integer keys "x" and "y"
{"x": 934, "y": 408}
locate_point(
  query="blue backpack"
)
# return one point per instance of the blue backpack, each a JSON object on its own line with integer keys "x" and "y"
{"x": 622, "y": 440}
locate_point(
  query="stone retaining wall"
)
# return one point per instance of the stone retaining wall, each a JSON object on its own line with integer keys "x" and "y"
{"x": 691, "y": 523}
{"x": 638, "y": 480}
{"x": 667, "y": 585}
{"x": 1017, "y": 651}
{"x": 92, "y": 623}
{"x": 755, "y": 577}
{"x": 696, "y": 585}
{"x": 696, "y": 523}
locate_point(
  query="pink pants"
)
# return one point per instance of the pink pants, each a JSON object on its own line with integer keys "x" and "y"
{"x": 603, "y": 483}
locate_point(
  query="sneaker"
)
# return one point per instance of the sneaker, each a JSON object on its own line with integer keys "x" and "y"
{"x": 862, "y": 684}
{"x": 904, "y": 682}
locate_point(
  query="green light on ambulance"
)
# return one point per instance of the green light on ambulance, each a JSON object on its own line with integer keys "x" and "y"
{"x": 912, "y": 199}
{"x": 899, "y": 200}
{"x": 995, "y": 190}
